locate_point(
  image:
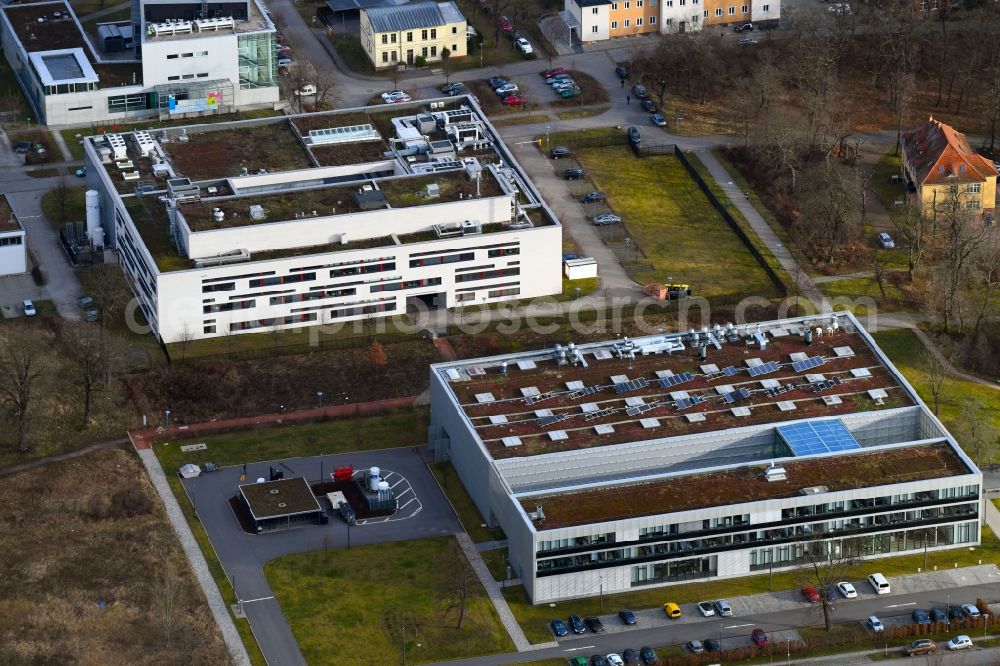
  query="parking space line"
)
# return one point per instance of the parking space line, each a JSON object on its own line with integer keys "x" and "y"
{"x": 397, "y": 483}
{"x": 413, "y": 499}
{"x": 408, "y": 490}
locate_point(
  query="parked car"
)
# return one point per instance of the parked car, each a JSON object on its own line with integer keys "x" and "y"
{"x": 579, "y": 660}
{"x": 759, "y": 637}
{"x": 939, "y": 615}
{"x": 658, "y": 119}
{"x": 920, "y": 616}
{"x": 672, "y": 610}
{"x": 744, "y": 27}
{"x": 960, "y": 643}
{"x": 747, "y": 40}
{"x": 627, "y": 616}
{"x": 879, "y": 583}
{"x": 648, "y": 106}
{"x": 395, "y": 97}
{"x": 955, "y": 613}
{"x": 810, "y": 594}
{"x": 524, "y": 46}
{"x": 552, "y": 72}
{"x": 606, "y": 218}
{"x": 470, "y": 32}
{"x": 552, "y": 80}
{"x": 594, "y": 624}
{"x": 448, "y": 87}
{"x": 307, "y": 89}
{"x": 615, "y": 659}
{"x": 640, "y": 91}
{"x": 458, "y": 89}
{"x": 570, "y": 92}
{"x": 507, "y": 88}
{"x": 885, "y": 240}
{"x": 576, "y": 173}
{"x": 22, "y": 147}
{"x": 722, "y": 608}
{"x": 559, "y": 86}
{"x": 712, "y": 645}
{"x": 633, "y": 135}
{"x": 559, "y": 628}
{"x": 514, "y": 100}
{"x": 29, "y": 309}
{"x": 81, "y": 172}
{"x": 630, "y": 657}
{"x": 505, "y": 24}
{"x": 285, "y": 61}
{"x": 847, "y": 590}
{"x": 560, "y": 152}
{"x": 496, "y": 81}
{"x": 971, "y": 610}
{"x": 85, "y": 302}
{"x": 706, "y": 608}
{"x": 921, "y": 646}
{"x": 593, "y": 197}
{"x": 598, "y": 660}
{"x": 577, "y": 625}
{"x": 621, "y": 72}
{"x": 875, "y": 624}
{"x": 648, "y": 655}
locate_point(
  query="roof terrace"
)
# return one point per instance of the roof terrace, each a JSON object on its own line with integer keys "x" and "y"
{"x": 540, "y": 406}
{"x": 747, "y": 484}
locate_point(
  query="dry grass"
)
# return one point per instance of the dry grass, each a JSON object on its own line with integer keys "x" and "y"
{"x": 88, "y": 530}
{"x": 271, "y": 146}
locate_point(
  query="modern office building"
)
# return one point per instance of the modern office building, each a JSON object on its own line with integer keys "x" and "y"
{"x": 399, "y": 34}
{"x": 196, "y": 59}
{"x": 711, "y": 454}
{"x": 13, "y": 244}
{"x": 320, "y": 218}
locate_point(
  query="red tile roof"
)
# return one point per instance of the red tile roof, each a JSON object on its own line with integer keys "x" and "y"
{"x": 940, "y": 155}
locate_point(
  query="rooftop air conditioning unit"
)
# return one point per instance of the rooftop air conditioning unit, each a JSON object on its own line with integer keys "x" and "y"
{"x": 814, "y": 490}
{"x": 775, "y": 474}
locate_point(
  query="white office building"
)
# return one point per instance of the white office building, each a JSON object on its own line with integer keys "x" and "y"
{"x": 13, "y": 244}
{"x": 196, "y": 59}
{"x": 345, "y": 215}
{"x": 725, "y": 452}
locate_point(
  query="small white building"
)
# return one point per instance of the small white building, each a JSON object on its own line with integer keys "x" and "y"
{"x": 580, "y": 268}
{"x": 13, "y": 244}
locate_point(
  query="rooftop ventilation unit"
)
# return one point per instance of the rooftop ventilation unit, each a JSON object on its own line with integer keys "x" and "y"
{"x": 257, "y": 212}
{"x": 214, "y": 24}
{"x": 231, "y": 257}
{"x": 814, "y": 490}
{"x": 773, "y": 474}
{"x": 169, "y": 28}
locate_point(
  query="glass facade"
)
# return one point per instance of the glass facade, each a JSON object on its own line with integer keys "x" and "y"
{"x": 258, "y": 60}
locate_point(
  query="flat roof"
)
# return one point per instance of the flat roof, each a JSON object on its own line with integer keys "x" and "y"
{"x": 63, "y": 66}
{"x": 256, "y": 21}
{"x": 274, "y": 499}
{"x": 8, "y": 221}
{"x": 606, "y": 399}
{"x": 746, "y": 484}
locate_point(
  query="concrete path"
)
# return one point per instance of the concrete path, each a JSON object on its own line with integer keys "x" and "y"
{"x": 199, "y": 566}
{"x": 41, "y": 462}
{"x": 491, "y": 545}
{"x": 823, "y": 279}
{"x": 493, "y": 591}
{"x": 61, "y": 143}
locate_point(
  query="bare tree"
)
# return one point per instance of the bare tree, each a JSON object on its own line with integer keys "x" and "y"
{"x": 985, "y": 279}
{"x": 20, "y": 370}
{"x": 828, "y": 565}
{"x": 880, "y": 268}
{"x": 168, "y": 597}
{"x": 936, "y": 374}
{"x": 460, "y": 581}
{"x": 832, "y": 196}
{"x": 184, "y": 339}
{"x": 916, "y": 230}
{"x": 86, "y": 347}
{"x": 974, "y": 430}
{"x": 446, "y": 63}
{"x": 62, "y": 195}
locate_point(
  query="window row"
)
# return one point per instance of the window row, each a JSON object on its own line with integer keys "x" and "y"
{"x": 11, "y": 240}
{"x": 363, "y": 269}
{"x": 312, "y": 296}
{"x": 487, "y": 275}
{"x": 174, "y": 56}
{"x": 229, "y": 307}
{"x": 443, "y": 259}
{"x": 282, "y": 279}
{"x": 406, "y": 284}
{"x": 185, "y": 77}
{"x": 391, "y": 38}
{"x": 274, "y": 321}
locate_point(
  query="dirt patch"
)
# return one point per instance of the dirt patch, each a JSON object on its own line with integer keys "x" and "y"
{"x": 104, "y": 579}
{"x": 349, "y": 153}
{"x": 272, "y": 146}
{"x": 221, "y": 388}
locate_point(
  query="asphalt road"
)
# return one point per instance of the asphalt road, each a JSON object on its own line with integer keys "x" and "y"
{"x": 890, "y": 608}
{"x": 243, "y": 555}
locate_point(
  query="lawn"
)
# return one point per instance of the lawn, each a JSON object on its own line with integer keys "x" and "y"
{"x": 677, "y": 231}
{"x": 467, "y": 512}
{"x": 908, "y": 354}
{"x": 582, "y": 113}
{"x": 399, "y": 428}
{"x": 370, "y": 600}
{"x": 866, "y": 287}
{"x": 887, "y": 192}
{"x": 534, "y": 619}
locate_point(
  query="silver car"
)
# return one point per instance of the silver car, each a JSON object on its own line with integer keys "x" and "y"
{"x": 606, "y": 218}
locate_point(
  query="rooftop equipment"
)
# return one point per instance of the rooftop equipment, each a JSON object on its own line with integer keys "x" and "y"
{"x": 772, "y": 474}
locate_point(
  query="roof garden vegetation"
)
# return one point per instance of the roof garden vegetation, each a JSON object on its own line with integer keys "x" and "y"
{"x": 696, "y": 491}
{"x": 279, "y": 498}
{"x": 8, "y": 222}
{"x": 150, "y": 219}
{"x": 349, "y": 153}
{"x": 216, "y": 154}
{"x": 51, "y": 33}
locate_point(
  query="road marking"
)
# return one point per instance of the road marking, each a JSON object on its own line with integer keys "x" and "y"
{"x": 737, "y": 626}
{"x": 912, "y": 603}
{"x": 250, "y": 601}
{"x": 585, "y": 647}
{"x": 397, "y": 483}
{"x": 412, "y": 499}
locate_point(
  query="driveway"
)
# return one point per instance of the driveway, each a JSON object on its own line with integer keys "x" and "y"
{"x": 243, "y": 555}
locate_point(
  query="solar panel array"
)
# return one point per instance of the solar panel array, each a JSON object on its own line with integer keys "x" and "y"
{"x": 589, "y": 390}
{"x": 764, "y": 369}
{"x": 534, "y": 399}
{"x": 684, "y": 403}
{"x": 546, "y": 421}
{"x": 825, "y": 384}
{"x": 633, "y": 385}
{"x": 810, "y": 438}
{"x": 738, "y": 394}
{"x": 599, "y": 414}
{"x": 729, "y": 371}
{"x": 674, "y": 380}
{"x": 781, "y": 389}
{"x": 641, "y": 409}
{"x": 808, "y": 363}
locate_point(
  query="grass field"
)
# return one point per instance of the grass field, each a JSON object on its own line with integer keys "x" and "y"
{"x": 383, "y": 431}
{"x": 467, "y": 512}
{"x": 680, "y": 235}
{"x": 368, "y": 600}
{"x": 534, "y": 619}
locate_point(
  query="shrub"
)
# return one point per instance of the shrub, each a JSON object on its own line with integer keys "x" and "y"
{"x": 129, "y": 502}
{"x": 420, "y": 61}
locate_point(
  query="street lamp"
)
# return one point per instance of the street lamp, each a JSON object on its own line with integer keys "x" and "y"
{"x": 166, "y": 414}
{"x": 627, "y": 242}
{"x": 548, "y": 128}
{"x": 788, "y": 651}
{"x": 319, "y": 397}
{"x": 602, "y": 594}
{"x": 986, "y": 621}
{"x": 480, "y": 55}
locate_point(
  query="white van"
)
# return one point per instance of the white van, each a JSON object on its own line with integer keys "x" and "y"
{"x": 879, "y": 583}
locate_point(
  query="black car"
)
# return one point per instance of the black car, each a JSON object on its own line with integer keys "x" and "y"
{"x": 559, "y": 152}
{"x": 621, "y": 72}
{"x": 598, "y": 660}
{"x": 744, "y": 27}
{"x": 448, "y": 87}
{"x": 594, "y": 624}
{"x": 633, "y": 135}
{"x": 558, "y": 626}
{"x": 574, "y": 173}
{"x": 630, "y": 657}
{"x": 939, "y": 615}
{"x": 22, "y": 147}
{"x": 920, "y": 616}
{"x": 496, "y": 81}
{"x": 577, "y": 625}
{"x": 640, "y": 91}
{"x": 648, "y": 656}
{"x": 955, "y": 613}
{"x": 593, "y": 197}
{"x": 712, "y": 645}
{"x": 648, "y": 106}
{"x": 627, "y": 616}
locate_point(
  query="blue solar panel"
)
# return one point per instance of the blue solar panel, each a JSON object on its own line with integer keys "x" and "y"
{"x": 810, "y": 438}
{"x": 674, "y": 380}
{"x": 808, "y": 363}
{"x": 729, "y": 371}
{"x": 764, "y": 369}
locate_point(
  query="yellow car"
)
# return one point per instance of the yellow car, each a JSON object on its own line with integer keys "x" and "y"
{"x": 673, "y": 610}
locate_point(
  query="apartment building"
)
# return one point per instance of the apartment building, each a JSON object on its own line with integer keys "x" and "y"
{"x": 361, "y": 213}
{"x": 597, "y": 20}
{"x": 13, "y": 244}
{"x": 399, "y": 34}
{"x": 213, "y": 57}
{"x": 724, "y": 452}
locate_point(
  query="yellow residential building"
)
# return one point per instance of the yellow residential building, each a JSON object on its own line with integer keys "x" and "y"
{"x": 399, "y": 34}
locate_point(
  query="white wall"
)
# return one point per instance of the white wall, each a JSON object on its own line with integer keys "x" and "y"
{"x": 671, "y": 17}
{"x": 14, "y": 258}
{"x": 589, "y": 20}
{"x": 271, "y": 180}
{"x": 757, "y": 12}
{"x": 219, "y": 62}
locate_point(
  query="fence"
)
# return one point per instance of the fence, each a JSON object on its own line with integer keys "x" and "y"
{"x": 733, "y": 224}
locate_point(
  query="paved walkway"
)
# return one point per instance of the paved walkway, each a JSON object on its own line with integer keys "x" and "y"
{"x": 41, "y": 462}
{"x": 199, "y": 566}
{"x": 823, "y": 279}
{"x": 61, "y": 143}
{"x": 491, "y": 545}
